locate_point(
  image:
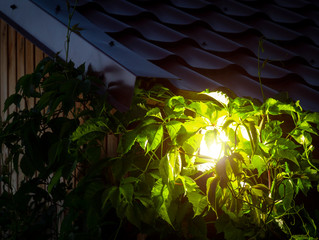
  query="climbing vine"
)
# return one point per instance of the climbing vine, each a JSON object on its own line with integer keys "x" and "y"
{"x": 248, "y": 188}
{"x": 207, "y": 166}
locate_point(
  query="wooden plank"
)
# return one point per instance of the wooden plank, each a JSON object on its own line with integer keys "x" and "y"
{"x": 29, "y": 64}
{"x": 20, "y": 60}
{"x": 3, "y": 65}
{"x": 39, "y": 55}
{"x": 3, "y": 81}
{"x": 29, "y": 57}
{"x": 12, "y": 63}
{"x": 111, "y": 145}
{"x": 12, "y": 79}
{"x": 20, "y": 73}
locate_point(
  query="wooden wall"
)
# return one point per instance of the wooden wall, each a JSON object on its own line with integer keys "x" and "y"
{"x": 18, "y": 57}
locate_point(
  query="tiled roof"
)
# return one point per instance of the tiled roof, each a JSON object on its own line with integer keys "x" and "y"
{"x": 213, "y": 43}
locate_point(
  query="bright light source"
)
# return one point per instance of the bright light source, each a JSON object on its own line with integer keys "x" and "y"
{"x": 215, "y": 147}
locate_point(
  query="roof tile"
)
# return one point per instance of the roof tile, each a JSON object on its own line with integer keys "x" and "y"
{"x": 309, "y": 52}
{"x": 292, "y": 3}
{"x": 155, "y": 31}
{"x": 102, "y": 20}
{"x": 199, "y": 58}
{"x": 144, "y": 48}
{"x": 233, "y": 8}
{"x": 221, "y": 23}
{"x": 190, "y": 4}
{"x": 170, "y": 15}
{"x": 213, "y": 43}
{"x": 210, "y": 40}
{"x": 281, "y": 15}
{"x": 274, "y": 31}
{"x": 122, "y": 8}
{"x": 250, "y": 65}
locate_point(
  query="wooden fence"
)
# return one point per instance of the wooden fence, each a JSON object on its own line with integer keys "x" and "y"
{"x": 18, "y": 57}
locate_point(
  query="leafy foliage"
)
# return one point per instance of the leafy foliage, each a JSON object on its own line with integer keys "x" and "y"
{"x": 161, "y": 183}
{"x": 50, "y": 103}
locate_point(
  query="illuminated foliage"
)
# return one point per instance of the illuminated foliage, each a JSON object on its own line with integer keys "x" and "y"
{"x": 186, "y": 167}
{"x": 259, "y": 164}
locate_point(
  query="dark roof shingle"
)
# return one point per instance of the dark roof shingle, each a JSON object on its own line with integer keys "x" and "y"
{"x": 210, "y": 44}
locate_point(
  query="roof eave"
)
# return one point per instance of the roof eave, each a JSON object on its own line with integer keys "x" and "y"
{"x": 47, "y": 29}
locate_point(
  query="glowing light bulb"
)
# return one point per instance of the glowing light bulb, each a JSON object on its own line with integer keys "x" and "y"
{"x": 214, "y": 148}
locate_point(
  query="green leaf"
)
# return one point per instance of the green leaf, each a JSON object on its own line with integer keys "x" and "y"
{"x": 198, "y": 201}
{"x": 302, "y": 137}
{"x": 305, "y": 126}
{"x": 189, "y": 129}
{"x": 127, "y": 190}
{"x": 173, "y": 128}
{"x": 259, "y": 163}
{"x": 221, "y": 97}
{"x": 221, "y": 172}
{"x": 260, "y": 190}
{"x": 251, "y": 129}
{"x": 170, "y": 166}
{"x": 127, "y": 141}
{"x": 45, "y": 99}
{"x": 271, "y": 132}
{"x": 55, "y": 179}
{"x": 160, "y": 195}
{"x": 154, "y": 112}
{"x": 112, "y": 193}
{"x": 205, "y": 110}
{"x": 194, "y": 195}
{"x": 192, "y": 144}
{"x": 313, "y": 118}
{"x": 212, "y": 192}
{"x": 90, "y": 129}
{"x": 177, "y": 104}
{"x": 303, "y": 184}
{"x": 286, "y": 192}
{"x": 153, "y": 134}
{"x": 13, "y": 99}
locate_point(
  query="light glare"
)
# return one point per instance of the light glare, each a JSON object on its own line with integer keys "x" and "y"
{"x": 213, "y": 150}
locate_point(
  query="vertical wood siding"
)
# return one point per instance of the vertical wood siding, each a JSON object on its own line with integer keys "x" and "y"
{"x": 18, "y": 57}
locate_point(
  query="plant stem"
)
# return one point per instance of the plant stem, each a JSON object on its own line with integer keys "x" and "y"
{"x": 69, "y": 31}
{"x": 118, "y": 229}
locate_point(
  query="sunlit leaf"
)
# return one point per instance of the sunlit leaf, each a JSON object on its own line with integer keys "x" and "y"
{"x": 271, "y": 132}
{"x": 218, "y": 96}
{"x": 205, "y": 110}
{"x": 194, "y": 195}
{"x": 154, "y": 112}
{"x": 302, "y": 137}
{"x": 259, "y": 163}
{"x": 173, "y": 128}
{"x": 160, "y": 195}
{"x": 170, "y": 166}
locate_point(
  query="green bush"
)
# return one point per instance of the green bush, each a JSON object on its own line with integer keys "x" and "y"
{"x": 164, "y": 183}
